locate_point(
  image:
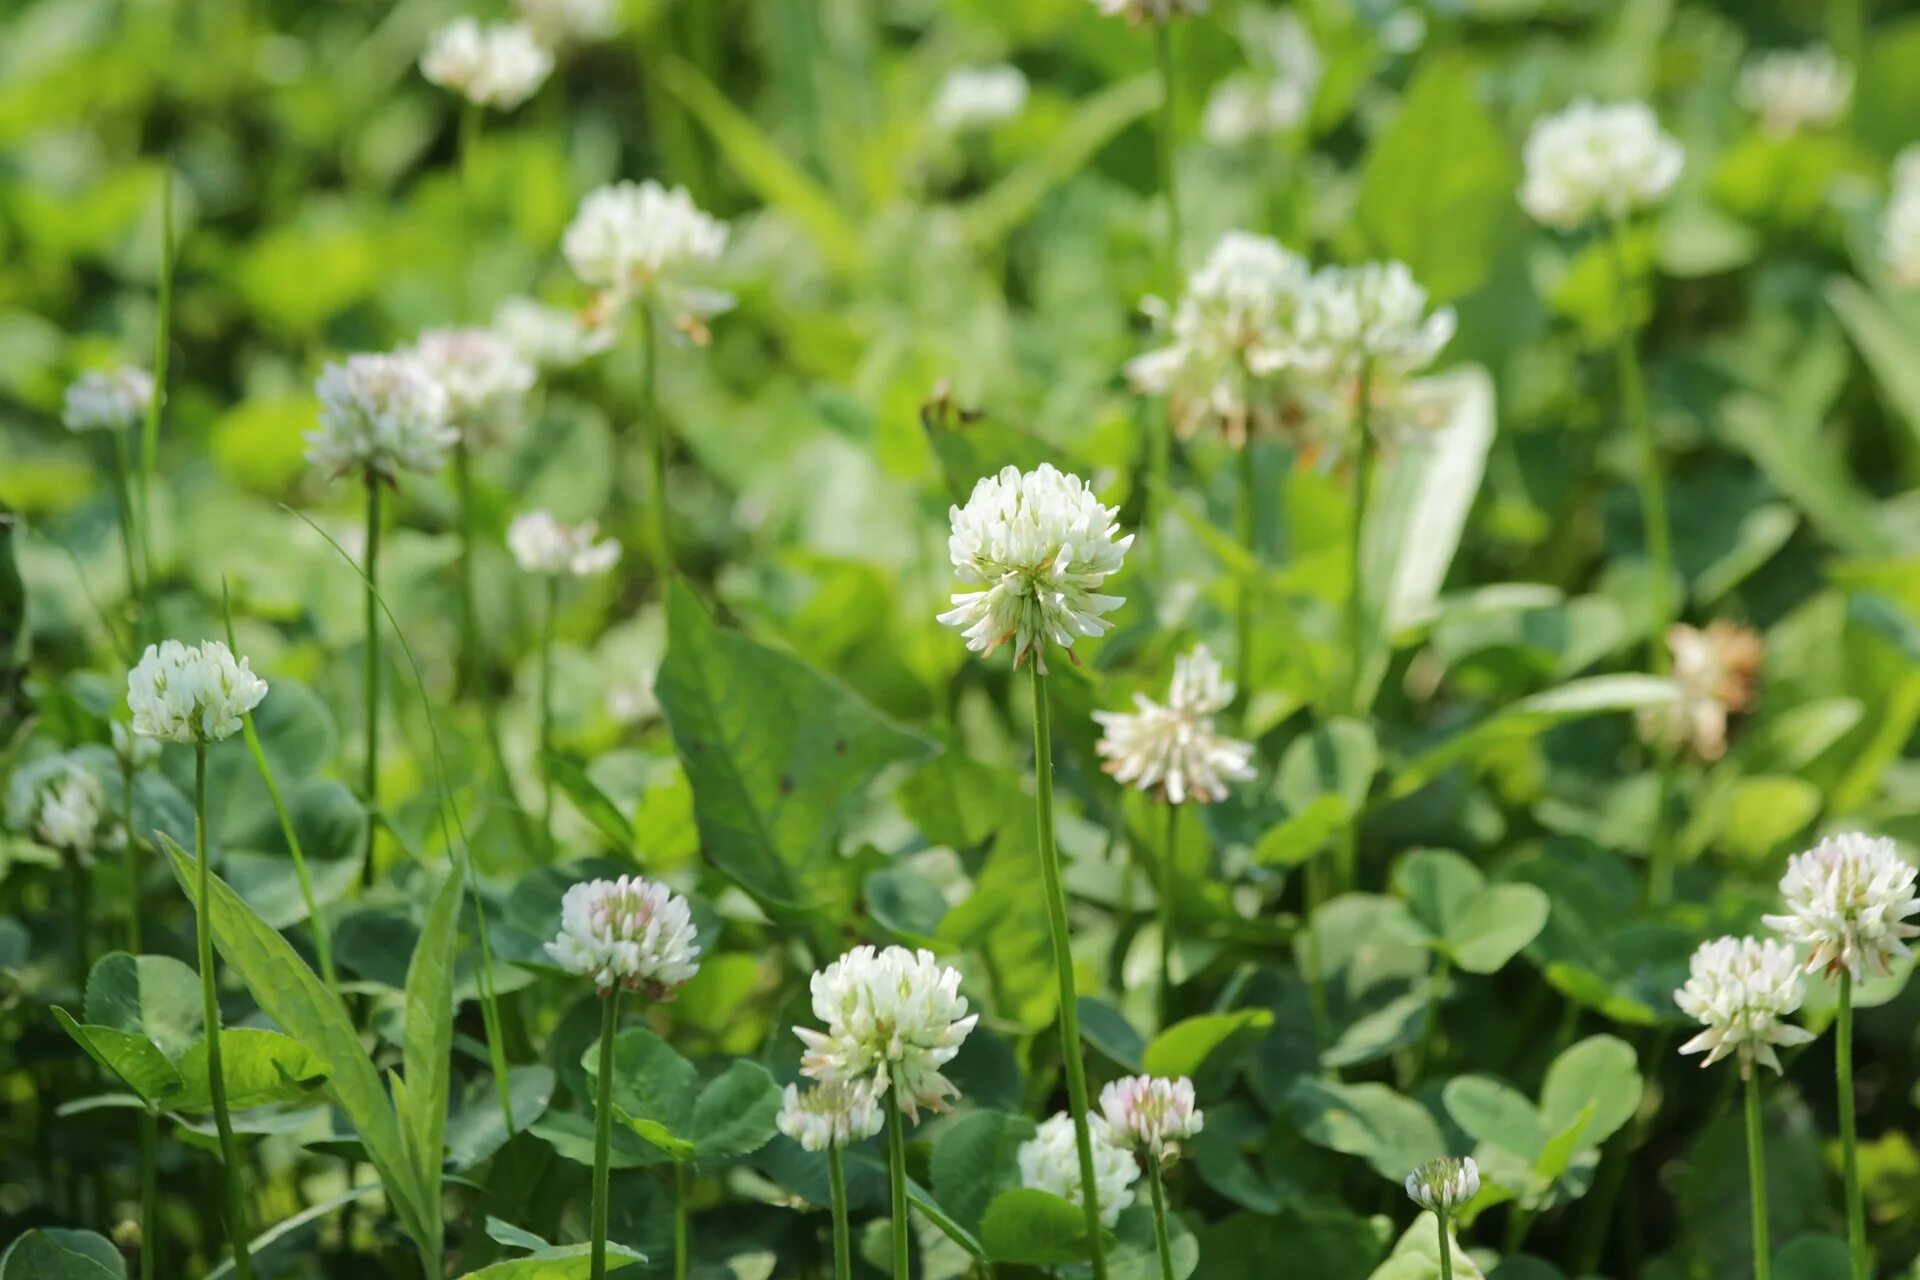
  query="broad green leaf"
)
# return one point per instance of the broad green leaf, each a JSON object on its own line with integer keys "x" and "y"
{"x": 597, "y": 807}
{"x": 154, "y": 996}
{"x": 566, "y": 1262}
{"x": 1765, "y": 812}
{"x": 476, "y": 1129}
{"x": 53, "y": 1254}
{"x": 1185, "y": 1046}
{"x": 1558, "y": 1152}
{"x": 1133, "y": 1254}
{"x": 259, "y": 1067}
{"x": 775, "y": 750}
{"x": 1338, "y": 758}
{"x": 734, "y": 1114}
{"x": 1388, "y": 1130}
{"x": 975, "y": 1160}
{"x": 129, "y": 1055}
{"x": 1600, "y": 1072}
{"x": 659, "y": 1095}
{"x": 1033, "y": 1228}
{"x": 278, "y": 1240}
{"x": 1439, "y": 887}
{"x": 427, "y": 1039}
{"x": 1303, "y": 833}
{"x": 1416, "y": 1256}
{"x": 1491, "y": 1111}
{"x": 1499, "y": 922}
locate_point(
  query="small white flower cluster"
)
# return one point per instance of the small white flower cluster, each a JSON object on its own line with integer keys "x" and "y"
{"x": 1792, "y": 90}
{"x": 107, "y": 400}
{"x": 380, "y": 414}
{"x": 830, "y": 1114}
{"x": 1900, "y": 224}
{"x": 500, "y": 65}
{"x": 1050, "y": 1161}
{"x": 1739, "y": 989}
{"x": 1716, "y": 670}
{"x": 1593, "y": 160}
{"x": 1139, "y": 12}
{"x": 1373, "y": 316}
{"x": 631, "y": 933}
{"x": 64, "y": 807}
{"x": 1173, "y": 750}
{"x": 1444, "y": 1183}
{"x": 639, "y": 240}
{"x": 485, "y": 378}
{"x": 1277, "y": 96}
{"x": 1039, "y": 544}
{"x": 1848, "y": 899}
{"x": 191, "y": 693}
{"x": 1151, "y": 1116}
{"x": 893, "y": 1019}
{"x": 541, "y": 544}
{"x": 552, "y": 337}
{"x": 561, "y": 22}
{"x": 978, "y": 98}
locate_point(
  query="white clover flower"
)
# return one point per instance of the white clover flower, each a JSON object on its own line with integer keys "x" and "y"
{"x": 541, "y": 544}
{"x": 1050, "y": 1161}
{"x": 109, "y": 400}
{"x": 1592, "y": 160}
{"x": 501, "y": 65}
{"x": 1848, "y": 899}
{"x": 1039, "y": 544}
{"x": 978, "y": 98}
{"x": 1373, "y": 315}
{"x": 640, "y": 240}
{"x": 382, "y": 414}
{"x": 632, "y": 933}
{"x": 1792, "y": 90}
{"x": 553, "y": 337}
{"x": 1173, "y": 750}
{"x": 191, "y": 693}
{"x": 561, "y": 22}
{"x": 1277, "y": 96}
{"x": 835, "y": 1114}
{"x": 1137, "y": 12}
{"x": 1151, "y": 1116}
{"x": 131, "y": 748}
{"x": 1232, "y": 329}
{"x": 64, "y": 806}
{"x": 1739, "y": 989}
{"x": 893, "y": 1018}
{"x": 1443, "y": 1184}
{"x": 1715, "y": 670}
{"x": 485, "y": 378}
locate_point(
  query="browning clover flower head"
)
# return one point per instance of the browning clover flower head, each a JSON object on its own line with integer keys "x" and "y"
{"x": 1794, "y": 90}
{"x": 191, "y": 693}
{"x": 541, "y": 544}
{"x": 484, "y": 376}
{"x": 893, "y": 1019}
{"x": 1739, "y": 989}
{"x": 1591, "y": 161}
{"x": 1151, "y": 1116}
{"x": 1039, "y": 545}
{"x": 1716, "y": 670}
{"x": 830, "y": 1114}
{"x": 381, "y": 415}
{"x": 1173, "y": 750}
{"x": 1050, "y": 1161}
{"x": 1848, "y": 899}
{"x": 501, "y": 65}
{"x": 107, "y": 400}
{"x": 631, "y": 933}
{"x": 1444, "y": 1183}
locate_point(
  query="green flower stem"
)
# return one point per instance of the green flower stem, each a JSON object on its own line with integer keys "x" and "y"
{"x": 370, "y": 773}
{"x": 1250, "y": 587}
{"x": 469, "y": 658}
{"x": 149, "y": 1195}
{"x": 1849, "y": 1139}
{"x": 1757, "y": 1178}
{"x": 1076, "y": 1069}
{"x": 134, "y": 859}
{"x": 129, "y": 518}
{"x": 603, "y": 1131}
{"x": 1161, "y": 1245}
{"x": 1168, "y": 857}
{"x": 656, "y": 442}
{"x": 897, "y": 1177}
{"x": 1446, "y": 1245}
{"x": 162, "y": 346}
{"x": 1160, "y": 445}
{"x": 682, "y": 1192}
{"x": 1358, "y": 623}
{"x": 237, "y": 1231}
{"x": 842, "y": 1236}
{"x": 552, "y": 606}
{"x": 80, "y": 889}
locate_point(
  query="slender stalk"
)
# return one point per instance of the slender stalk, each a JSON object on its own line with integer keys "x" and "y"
{"x": 603, "y": 1131}
{"x": 1849, "y": 1139}
{"x": 1250, "y": 587}
{"x": 370, "y": 772}
{"x": 682, "y": 1190}
{"x": 80, "y": 890}
{"x": 1446, "y": 1245}
{"x": 1076, "y": 1069}
{"x": 656, "y": 442}
{"x": 897, "y": 1177}
{"x": 1652, "y": 486}
{"x": 123, "y": 484}
{"x": 1757, "y": 1178}
{"x": 162, "y": 346}
{"x": 469, "y": 137}
{"x": 1162, "y": 1246}
{"x": 1160, "y": 446}
{"x": 546, "y": 714}
{"x": 842, "y": 1236}
{"x": 1168, "y": 856}
{"x": 149, "y": 1195}
{"x": 469, "y": 659}
{"x": 134, "y": 856}
{"x": 237, "y": 1231}
{"x": 1357, "y": 542}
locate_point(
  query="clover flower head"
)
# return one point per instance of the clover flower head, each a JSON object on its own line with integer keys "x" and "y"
{"x": 639, "y": 239}
{"x": 830, "y": 1114}
{"x": 1039, "y": 545}
{"x": 107, "y": 399}
{"x": 191, "y": 693}
{"x": 1232, "y": 328}
{"x": 978, "y": 98}
{"x": 1173, "y": 749}
{"x": 1144, "y": 12}
{"x": 1050, "y": 1161}
{"x": 1444, "y": 1183}
{"x": 1151, "y": 1116}
{"x": 381, "y": 414}
{"x": 1739, "y": 989}
{"x": 1900, "y": 224}
{"x": 1791, "y": 90}
{"x": 553, "y": 337}
{"x": 485, "y": 377}
{"x": 1592, "y": 160}
{"x": 1848, "y": 899}
{"x": 63, "y": 804}
{"x": 561, "y": 22}
{"x": 893, "y": 1019}
{"x": 501, "y": 65}
{"x": 631, "y": 933}
{"x": 1276, "y": 97}
{"x": 1374, "y": 315}
{"x": 541, "y": 544}
{"x": 1716, "y": 670}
